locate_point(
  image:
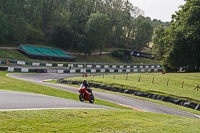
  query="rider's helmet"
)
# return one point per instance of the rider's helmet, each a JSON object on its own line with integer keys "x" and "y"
{"x": 84, "y": 81}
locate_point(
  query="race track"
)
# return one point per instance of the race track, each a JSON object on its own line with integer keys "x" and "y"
{"x": 12, "y": 100}
{"x": 122, "y": 100}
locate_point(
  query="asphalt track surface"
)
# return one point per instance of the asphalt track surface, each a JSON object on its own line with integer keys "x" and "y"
{"x": 137, "y": 104}
{"x": 11, "y": 100}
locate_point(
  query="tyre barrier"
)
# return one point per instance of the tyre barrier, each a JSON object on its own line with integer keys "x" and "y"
{"x": 137, "y": 93}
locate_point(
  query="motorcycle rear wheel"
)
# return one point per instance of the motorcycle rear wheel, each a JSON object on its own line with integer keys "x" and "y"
{"x": 81, "y": 97}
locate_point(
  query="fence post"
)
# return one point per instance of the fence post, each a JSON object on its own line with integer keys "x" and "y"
{"x": 139, "y": 79}
{"x": 127, "y": 76}
{"x": 182, "y": 84}
{"x": 114, "y": 76}
{"x": 153, "y": 80}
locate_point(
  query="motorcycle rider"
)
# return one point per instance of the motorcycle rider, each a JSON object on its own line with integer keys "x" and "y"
{"x": 86, "y": 86}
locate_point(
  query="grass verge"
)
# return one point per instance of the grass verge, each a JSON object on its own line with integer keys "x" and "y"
{"x": 95, "y": 121}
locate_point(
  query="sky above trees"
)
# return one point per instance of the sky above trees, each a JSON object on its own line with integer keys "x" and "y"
{"x": 158, "y": 9}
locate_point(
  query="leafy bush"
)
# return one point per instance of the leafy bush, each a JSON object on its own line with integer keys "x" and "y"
{"x": 118, "y": 54}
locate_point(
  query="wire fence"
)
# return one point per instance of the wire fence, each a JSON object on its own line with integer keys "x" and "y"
{"x": 152, "y": 79}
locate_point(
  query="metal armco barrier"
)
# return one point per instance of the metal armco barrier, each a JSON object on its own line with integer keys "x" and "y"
{"x": 109, "y": 71}
{"x": 79, "y": 65}
{"x": 25, "y": 70}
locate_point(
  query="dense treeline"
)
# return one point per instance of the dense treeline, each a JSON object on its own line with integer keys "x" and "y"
{"x": 84, "y": 25}
{"x": 159, "y": 22}
{"x": 179, "y": 45}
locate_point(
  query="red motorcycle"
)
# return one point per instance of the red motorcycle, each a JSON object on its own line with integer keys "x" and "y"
{"x": 86, "y": 95}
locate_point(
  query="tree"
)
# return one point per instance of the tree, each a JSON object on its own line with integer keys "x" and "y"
{"x": 3, "y": 27}
{"x": 158, "y": 47}
{"x": 19, "y": 30}
{"x": 34, "y": 21}
{"x": 79, "y": 12}
{"x": 158, "y": 22}
{"x": 62, "y": 37}
{"x": 97, "y": 30}
{"x": 144, "y": 32}
{"x": 181, "y": 40}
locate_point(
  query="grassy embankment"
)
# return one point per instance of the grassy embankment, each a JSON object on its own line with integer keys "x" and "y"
{"x": 85, "y": 120}
{"x": 108, "y": 59}
{"x": 15, "y": 54}
{"x": 12, "y": 54}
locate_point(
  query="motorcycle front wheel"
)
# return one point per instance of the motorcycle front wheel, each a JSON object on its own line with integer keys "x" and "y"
{"x": 91, "y": 99}
{"x": 81, "y": 97}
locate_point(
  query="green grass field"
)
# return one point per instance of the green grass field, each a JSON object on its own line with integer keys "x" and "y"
{"x": 89, "y": 121}
{"x": 159, "y": 85}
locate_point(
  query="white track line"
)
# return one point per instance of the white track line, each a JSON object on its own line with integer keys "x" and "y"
{"x": 1, "y": 110}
